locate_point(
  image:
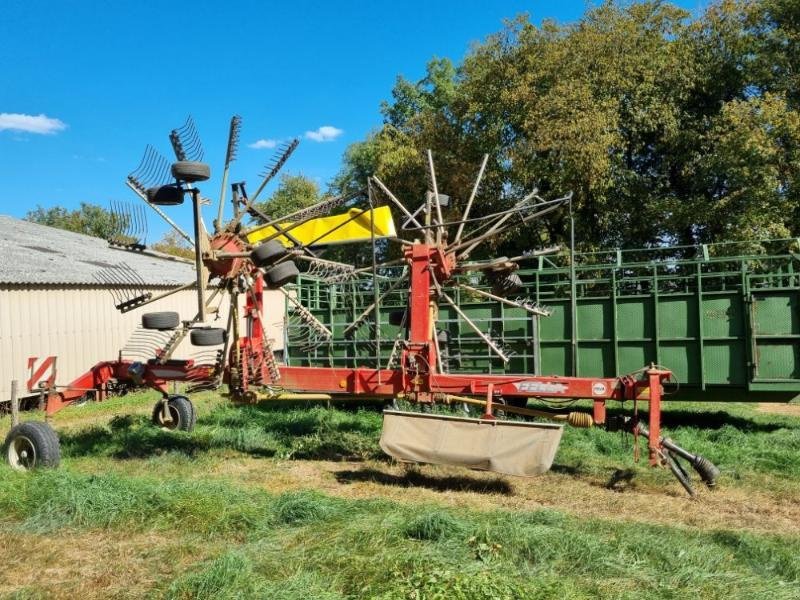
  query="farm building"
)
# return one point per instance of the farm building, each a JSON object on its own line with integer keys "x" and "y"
{"x": 52, "y": 302}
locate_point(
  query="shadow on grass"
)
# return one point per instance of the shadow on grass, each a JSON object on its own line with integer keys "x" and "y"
{"x": 705, "y": 419}
{"x": 414, "y": 478}
{"x": 291, "y": 435}
{"x": 620, "y": 480}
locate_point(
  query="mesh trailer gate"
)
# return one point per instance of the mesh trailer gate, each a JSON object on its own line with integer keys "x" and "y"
{"x": 723, "y": 317}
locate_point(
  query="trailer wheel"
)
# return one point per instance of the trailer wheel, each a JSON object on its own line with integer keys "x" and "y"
{"x": 208, "y": 336}
{"x": 181, "y": 412}
{"x": 161, "y": 320}
{"x": 165, "y": 195}
{"x": 267, "y": 253}
{"x": 32, "y": 445}
{"x": 281, "y": 274}
{"x": 191, "y": 171}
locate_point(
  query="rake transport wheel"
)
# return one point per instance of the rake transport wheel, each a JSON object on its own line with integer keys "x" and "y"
{"x": 191, "y": 171}
{"x": 267, "y": 253}
{"x": 208, "y": 336}
{"x": 31, "y": 445}
{"x": 160, "y": 320}
{"x": 181, "y": 414}
{"x": 281, "y": 274}
{"x": 165, "y": 195}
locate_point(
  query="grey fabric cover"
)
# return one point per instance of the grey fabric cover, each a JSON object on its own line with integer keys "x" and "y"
{"x": 509, "y": 447}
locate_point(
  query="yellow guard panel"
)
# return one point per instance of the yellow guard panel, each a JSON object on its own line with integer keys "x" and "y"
{"x": 352, "y": 226}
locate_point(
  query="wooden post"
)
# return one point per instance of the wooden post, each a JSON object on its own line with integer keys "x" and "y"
{"x": 14, "y": 404}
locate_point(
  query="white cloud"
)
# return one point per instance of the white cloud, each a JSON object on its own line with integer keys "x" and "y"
{"x": 326, "y": 133}
{"x": 31, "y": 123}
{"x": 262, "y": 143}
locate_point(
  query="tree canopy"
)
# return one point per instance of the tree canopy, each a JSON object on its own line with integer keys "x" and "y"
{"x": 667, "y": 129}
{"x": 293, "y": 193}
{"x": 89, "y": 219}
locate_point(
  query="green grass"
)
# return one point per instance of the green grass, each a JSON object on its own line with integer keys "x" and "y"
{"x": 122, "y": 476}
{"x": 281, "y": 545}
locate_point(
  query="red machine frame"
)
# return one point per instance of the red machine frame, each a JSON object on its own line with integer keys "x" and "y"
{"x": 417, "y": 379}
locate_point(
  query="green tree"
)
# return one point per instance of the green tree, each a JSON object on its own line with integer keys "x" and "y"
{"x": 89, "y": 219}
{"x": 173, "y": 244}
{"x": 665, "y": 128}
{"x": 293, "y": 193}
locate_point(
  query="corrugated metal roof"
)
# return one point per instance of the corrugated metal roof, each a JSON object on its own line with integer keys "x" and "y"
{"x": 38, "y": 254}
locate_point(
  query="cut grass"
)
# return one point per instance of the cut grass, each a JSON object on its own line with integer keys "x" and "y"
{"x": 381, "y": 549}
{"x": 425, "y": 533}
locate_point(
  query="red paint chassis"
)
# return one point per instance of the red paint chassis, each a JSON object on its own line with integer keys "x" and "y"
{"x": 417, "y": 379}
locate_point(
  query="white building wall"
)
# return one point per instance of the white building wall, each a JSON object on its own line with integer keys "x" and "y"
{"x": 81, "y": 327}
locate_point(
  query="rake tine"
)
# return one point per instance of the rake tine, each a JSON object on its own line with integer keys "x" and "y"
{"x": 469, "y": 321}
{"x": 394, "y": 199}
{"x": 493, "y": 229}
{"x": 275, "y": 165}
{"x": 357, "y": 322}
{"x": 440, "y": 220}
{"x": 186, "y": 141}
{"x": 230, "y": 156}
{"x": 475, "y": 187}
{"x": 534, "y": 310}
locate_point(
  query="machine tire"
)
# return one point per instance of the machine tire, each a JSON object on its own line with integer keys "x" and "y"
{"x": 32, "y": 445}
{"x": 506, "y": 284}
{"x": 281, "y": 274}
{"x": 161, "y": 320}
{"x": 396, "y": 317}
{"x": 165, "y": 195}
{"x": 191, "y": 171}
{"x": 180, "y": 409}
{"x": 208, "y": 336}
{"x": 267, "y": 253}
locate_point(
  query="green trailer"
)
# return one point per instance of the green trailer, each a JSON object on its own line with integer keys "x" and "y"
{"x": 723, "y": 317}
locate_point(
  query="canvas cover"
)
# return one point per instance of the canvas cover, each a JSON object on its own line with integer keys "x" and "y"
{"x": 509, "y": 447}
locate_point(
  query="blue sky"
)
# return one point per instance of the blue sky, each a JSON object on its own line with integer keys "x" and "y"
{"x": 107, "y": 78}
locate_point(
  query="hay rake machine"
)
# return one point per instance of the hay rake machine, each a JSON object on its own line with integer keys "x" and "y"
{"x": 238, "y": 262}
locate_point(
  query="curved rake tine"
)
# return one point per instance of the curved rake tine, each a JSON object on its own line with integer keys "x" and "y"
{"x": 230, "y": 156}
{"x": 439, "y": 219}
{"x": 186, "y": 141}
{"x": 494, "y": 227}
{"x": 153, "y": 170}
{"x": 544, "y": 208}
{"x": 397, "y": 202}
{"x": 475, "y": 187}
{"x": 306, "y": 316}
{"x": 388, "y": 263}
{"x": 163, "y": 215}
{"x": 537, "y": 253}
{"x": 371, "y": 307}
{"x": 469, "y": 321}
{"x": 534, "y": 310}
{"x": 275, "y": 165}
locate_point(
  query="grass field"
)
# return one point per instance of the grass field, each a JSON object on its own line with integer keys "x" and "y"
{"x": 298, "y": 502}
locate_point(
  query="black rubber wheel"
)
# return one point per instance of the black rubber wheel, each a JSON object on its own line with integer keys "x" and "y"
{"x": 165, "y": 195}
{"x": 281, "y": 274}
{"x": 267, "y": 253}
{"x": 181, "y": 412}
{"x": 32, "y": 445}
{"x": 208, "y": 336}
{"x": 396, "y": 317}
{"x": 190, "y": 171}
{"x": 505, "y": 284}
{"x": 161, "y": 320}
